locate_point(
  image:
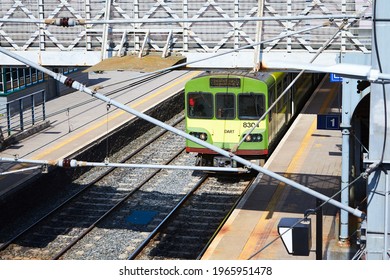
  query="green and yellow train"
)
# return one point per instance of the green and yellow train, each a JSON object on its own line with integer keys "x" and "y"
{"x": 221, "y": 107}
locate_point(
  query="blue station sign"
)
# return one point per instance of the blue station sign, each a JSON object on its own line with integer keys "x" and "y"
{"x": 334, "y": 78}
{"x": 329, "y": 122}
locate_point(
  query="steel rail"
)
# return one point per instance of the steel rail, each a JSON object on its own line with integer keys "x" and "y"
{"x": 250, "y": 183}
{"x": 142, "y": 246}
{"x": 114, "y": 207}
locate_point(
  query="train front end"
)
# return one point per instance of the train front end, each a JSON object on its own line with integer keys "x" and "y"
{"x": 220, "y": 110}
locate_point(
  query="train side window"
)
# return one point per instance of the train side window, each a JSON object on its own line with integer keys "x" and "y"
{"x": 279, "y": 88}
{"x": 271, "y": 99}
{"x": 251, "y": 106}
{"x": 286, "y": 82}
{"x": 200, "y": 105}
{"x": 225, "y": 106}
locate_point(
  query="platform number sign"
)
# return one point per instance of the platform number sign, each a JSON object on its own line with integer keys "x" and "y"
{"x": 328, "y": 122}
{"x": 334, "y": 78}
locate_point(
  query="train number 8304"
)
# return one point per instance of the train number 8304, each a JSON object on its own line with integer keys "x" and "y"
{"x": 249, "y": 124}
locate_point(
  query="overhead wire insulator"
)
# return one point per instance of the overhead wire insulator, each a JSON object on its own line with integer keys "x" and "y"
{"x": 65, "y": 22}
{"x": 68, "y": 82}
{"x": 67, "y": 163}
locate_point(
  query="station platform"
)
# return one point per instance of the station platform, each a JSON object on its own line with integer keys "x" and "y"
{"x": 77, "y": 120}
{"x": 306, "y": 155}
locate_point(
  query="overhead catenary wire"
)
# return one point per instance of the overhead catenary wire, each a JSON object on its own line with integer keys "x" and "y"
{"x": 20, "y": 170}
{"x": 112, "y": 92}
{"x": 89, "y": 102}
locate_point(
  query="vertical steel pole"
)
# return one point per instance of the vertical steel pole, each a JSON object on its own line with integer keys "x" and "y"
{"x": 106, "y": 26}
{"x": 8, "y": 119}
{"x": 21, "y": 114}
{"x": 259, "y": 32}
{"x": 185, "y": 26}
{"x": 319, "y": 216}
{"x": 33, "y": 109}
{"x": 386, "y": 219}
{"x": 350, "y": 100}
{"x": 88, "y": 17}
{"x": 345, "y": 165}
{"x": 43, "y": 105}
{"x": 41, "y": 13}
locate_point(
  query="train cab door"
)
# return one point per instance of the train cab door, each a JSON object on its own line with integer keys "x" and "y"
{"x": 226, "y": 129}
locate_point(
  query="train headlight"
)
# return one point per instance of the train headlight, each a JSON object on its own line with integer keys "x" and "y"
{"x": 257, "y": 137}
{"x": 200, "y": 135}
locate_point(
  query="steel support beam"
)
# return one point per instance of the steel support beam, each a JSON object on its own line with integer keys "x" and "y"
{"x": 350, "y": 100}
{"x": 106, "y": 29}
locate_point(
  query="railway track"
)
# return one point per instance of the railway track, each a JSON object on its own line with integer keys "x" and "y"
{"x": 190, "y": 227}
{"x": 116, "y": 211}
{"x": 52, "y": 235}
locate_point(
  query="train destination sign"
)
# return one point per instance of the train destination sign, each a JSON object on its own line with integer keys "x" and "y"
{"x": 225, "y": 82}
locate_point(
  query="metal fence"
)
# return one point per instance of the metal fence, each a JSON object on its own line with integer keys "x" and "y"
{"x": 22, "y": 113}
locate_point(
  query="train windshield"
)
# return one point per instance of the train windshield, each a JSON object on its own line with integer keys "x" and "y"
{"x": 200, "y": 105}
{"x": 251, "y": 106}
{"x": 225, "y": 106}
